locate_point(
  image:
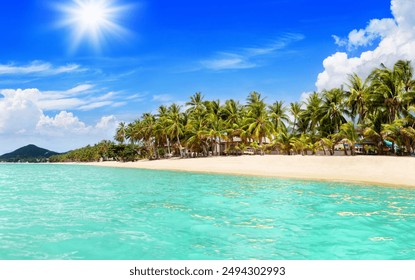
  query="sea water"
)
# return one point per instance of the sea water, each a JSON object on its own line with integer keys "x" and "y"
{"x": 82, "y": 212}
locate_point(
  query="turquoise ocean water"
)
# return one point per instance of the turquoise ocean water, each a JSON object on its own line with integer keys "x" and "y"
{"x": 83, "y": 212}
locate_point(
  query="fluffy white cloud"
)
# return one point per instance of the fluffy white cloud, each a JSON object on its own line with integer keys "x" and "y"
{"x": 61, "y": 124}
{"x": 23, "y": 121}
{"x": 19, "y": 111}
{"x": 365, "y": 37}
{"x": 397, "y": 41}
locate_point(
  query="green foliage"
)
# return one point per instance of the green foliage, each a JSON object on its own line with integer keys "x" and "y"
{"x": 368, "y": 111}
{"x": 29, "y": 153}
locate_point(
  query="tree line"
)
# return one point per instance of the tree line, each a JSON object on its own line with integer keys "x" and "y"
{"x": 378, "y": 112}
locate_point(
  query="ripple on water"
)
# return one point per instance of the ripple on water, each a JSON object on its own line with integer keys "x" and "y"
{"x": 81, "y": 212}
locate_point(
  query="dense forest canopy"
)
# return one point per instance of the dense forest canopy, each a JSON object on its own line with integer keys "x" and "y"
{"x": 377, "y": 112}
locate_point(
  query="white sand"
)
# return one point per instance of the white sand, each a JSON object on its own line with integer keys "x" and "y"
{"x": 384, "y": 170}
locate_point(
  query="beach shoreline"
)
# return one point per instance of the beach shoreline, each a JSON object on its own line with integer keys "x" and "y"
{"x": 378, "y": 170}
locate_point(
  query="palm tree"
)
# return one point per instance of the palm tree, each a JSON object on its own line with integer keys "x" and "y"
{"x": 197, "y": 134}
{"x": 175, "y": 125}
{"x": 149, "y": 132}
{"x": 215, "y": 125}
{"x": 387, "y": 91}
{"x": 333, "y": 111}
{"x": 196, "y": 103}
{"x": 295, "y": 110}
{"x": 104, "y": 149}
{"x": 120, "y": 133}
{"x": 257, "y": 122}
{"x": 278, "y": 115}
{"x": 373, "y": 128}
{"x": 382, "y": 107}
{"x": 254, "y": 98}
{"x": 301, "y": 144}
{"x": 330, "y": 142}
{"x": 405, "y": 72}
{"x": 161, "y": 124}
{"x": 311, "y": 117}
{"x": 357, "y": 97}
{"x": 283, "y": 141}
{"x": 312, "y": 114}
{"x": 231, "y": 113}
{"x": 349, "y": 134}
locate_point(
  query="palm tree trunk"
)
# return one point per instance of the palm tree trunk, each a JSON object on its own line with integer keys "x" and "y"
{"x": 180, "y": 146}
{"x": 168, "y": 145}
{"x": 213, "y": 147}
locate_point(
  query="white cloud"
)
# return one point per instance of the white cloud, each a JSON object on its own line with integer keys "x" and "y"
{"x": 227, "y": 61}
{"x": 38, "y": 67}
{"x": 19, "y": 111}
{"x": 245, "y": 57}
{"x": 60, "y": 104}
{"x": 23, "y": 120}
{"x": 82, "y": 97}
{"x": 67, "y": 124}
{"x": 95, "y": 105}
{"x": 364, "y": 37}
{"x": 163, "y": 98}
{"x": 106, "y": 122}
{"x": 80, "y": 89}
{"x": 60, "y": 124}
{"x": 397, "y": 41}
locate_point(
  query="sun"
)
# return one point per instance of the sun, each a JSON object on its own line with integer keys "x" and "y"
{"x": 92, "y": 21}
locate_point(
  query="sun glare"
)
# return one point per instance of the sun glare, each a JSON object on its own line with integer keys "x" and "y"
{"x": 92, "y": 21}
{"x": 91, "y": 16}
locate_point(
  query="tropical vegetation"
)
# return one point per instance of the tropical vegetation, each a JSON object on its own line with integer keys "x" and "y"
{"x": 377, "y": 113}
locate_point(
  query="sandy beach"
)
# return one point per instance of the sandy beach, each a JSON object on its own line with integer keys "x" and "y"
{"x": 383, "y": 170}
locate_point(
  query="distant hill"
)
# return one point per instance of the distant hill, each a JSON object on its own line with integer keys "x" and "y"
{"x": 30, "y": 153}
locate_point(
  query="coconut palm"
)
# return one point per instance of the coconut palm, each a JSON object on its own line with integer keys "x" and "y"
{"x": 278, "y": 115}
{"x": 329, "y": 142}
{"x": 373, "y": 128}
{"x": 163, "y": 139}
{"x": 120, "y": 132}
{"x": 333, "y": 111}
{"x": 311, "y": 116}
{"x": 357, "y": 97}
{"x": 196, "y": 103}
{"x": 310, "y": 119}
{"x": 405, "y": 72}
{"x": 175, "y": 125}
{"x": 232, "y": 113}
{"x": 300, "y": 144}
{"x": 149, "y": 133}
{"x": 215, "y": 125}
{"x": 197, "y": 134}
{"x": 349, "y": 134}
{"x": 295, "y": 110}
{"x": 257, "y": 122}
{"x": 283, "y": 141}
{"x": 387, "y": 91}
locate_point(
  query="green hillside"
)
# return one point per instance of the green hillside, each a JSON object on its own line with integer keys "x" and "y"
{"x": 29, "y": 153}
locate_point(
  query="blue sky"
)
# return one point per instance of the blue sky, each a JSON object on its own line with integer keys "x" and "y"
{"x": 56, "y": 86}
